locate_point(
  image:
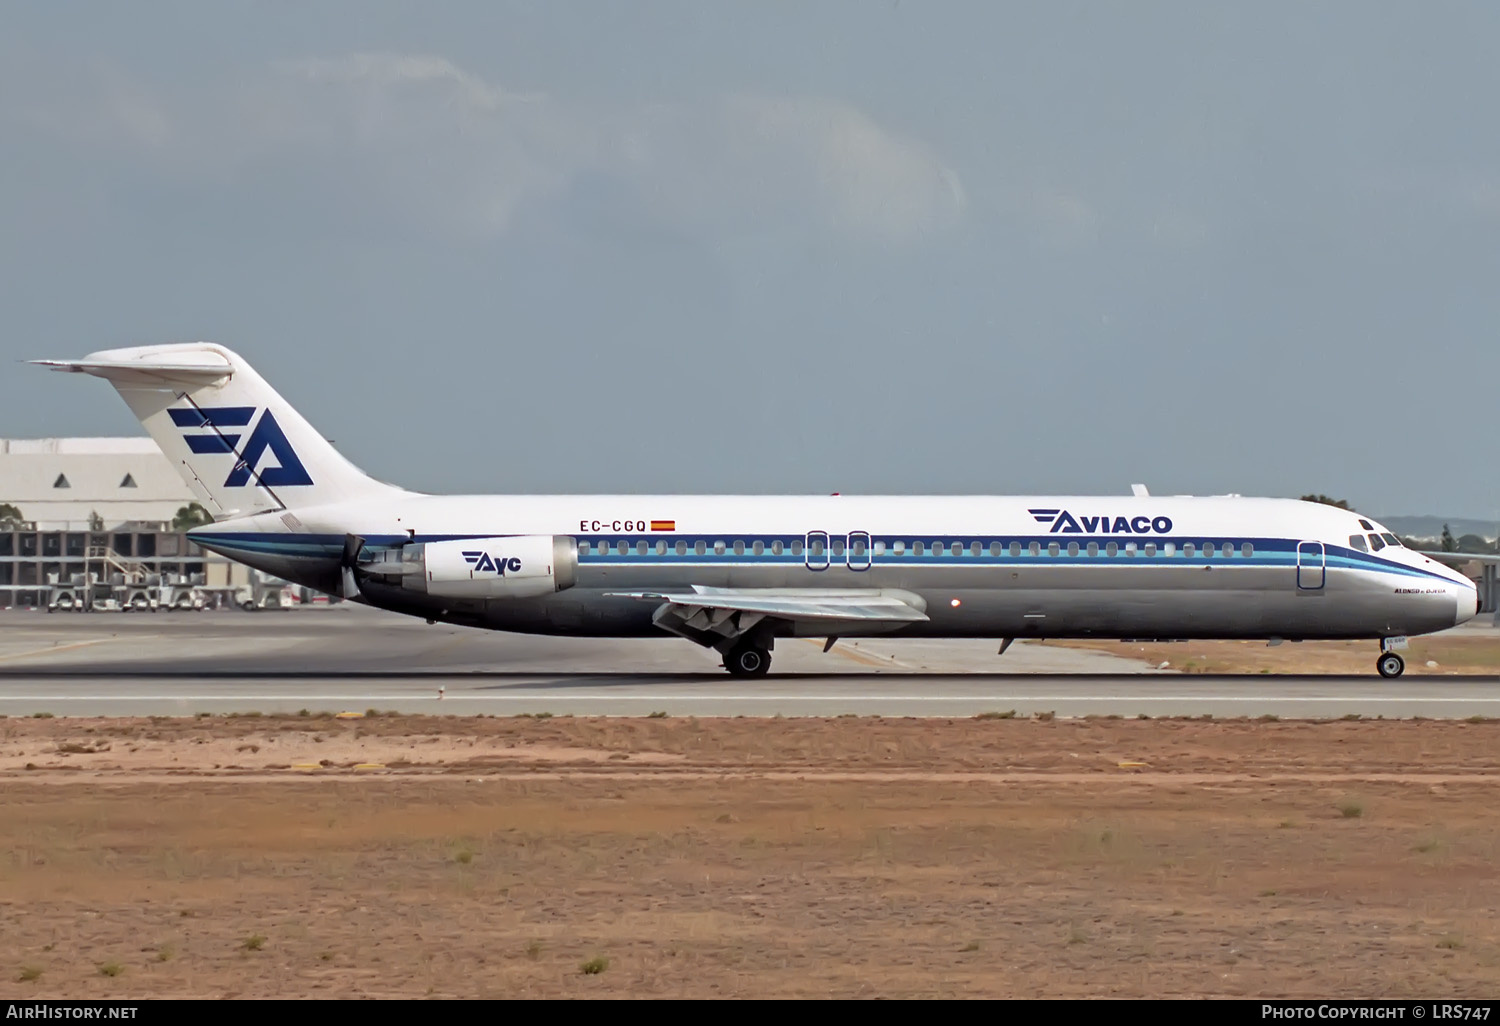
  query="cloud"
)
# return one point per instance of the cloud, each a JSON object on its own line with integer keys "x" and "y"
{"x": 417, "y": 135}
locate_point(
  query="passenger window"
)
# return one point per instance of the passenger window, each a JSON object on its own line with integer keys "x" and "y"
{"x": 1015, "y": 548}
{"x": 776, "y": 548}
{"x": 816, "y": 548}
{"x": 622, "y": 547}
{"x": 1130, "y": 548}
{"x": 1052, "y": 548}
{"x": 1151, "y": 548}
{"x": 1034, "y": 549}
{"x": 1375, "y": 543}
{"x": 661, "y": 548}
{"x": 584, "y": 548}
{"x": 640, "y": 548}
{"x": 681, "y": 548}
{"x": 898, "y": 548}
{"x": 916, "y": 548}
{"x": 878, "y": 548}
{"x": 1208, "y": 550}
{"x": 1093, "y": 548}
{"x": 1247, "y": 550}
{"x": 739, "y": 548}
{"x": 1187, "y": 548}
{"x": 1072, "y": 548}
{"x": 937, "y": 548}
{"x": 796, "y": 548}
{"x": 857, "y": 547}
{"x": 994, "y": 548}
{"x": 1169, "y": 549}
{"x": 974, "y": 548}
{"x": 759, "y": 548}
{"x": 1111, "y": 548}
{"x": 700, "y": 548}
{"x": 838, "y": 546}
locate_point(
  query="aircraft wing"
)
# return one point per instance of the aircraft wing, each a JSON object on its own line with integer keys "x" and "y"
{"x": 1460, "y": 558}
{"x": 790, "y": 603}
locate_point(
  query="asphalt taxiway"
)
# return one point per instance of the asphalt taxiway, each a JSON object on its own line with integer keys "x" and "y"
{"x": 348, "y": 658}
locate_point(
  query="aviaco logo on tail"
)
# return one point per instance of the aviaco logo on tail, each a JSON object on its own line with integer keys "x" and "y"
{"x": 1064, "y": 522}
{"x": 204, "y": 428}
{"x": 481, "y": 561}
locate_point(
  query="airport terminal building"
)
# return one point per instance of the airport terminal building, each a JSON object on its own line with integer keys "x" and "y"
{"x": 92, "y": 528}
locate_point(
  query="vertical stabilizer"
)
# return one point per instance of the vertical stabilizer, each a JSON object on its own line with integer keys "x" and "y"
{"x": 237, "y": 443}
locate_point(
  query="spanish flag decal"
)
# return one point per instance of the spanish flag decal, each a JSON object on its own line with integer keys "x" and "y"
{"x": 663, "y": 525}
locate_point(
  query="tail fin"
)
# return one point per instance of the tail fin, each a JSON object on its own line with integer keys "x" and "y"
{"x": 240, "y": 447}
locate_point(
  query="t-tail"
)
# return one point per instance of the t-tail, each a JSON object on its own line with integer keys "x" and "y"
{"x": 238, "y": 444}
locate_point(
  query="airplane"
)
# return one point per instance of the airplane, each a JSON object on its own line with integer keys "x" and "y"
{"x": 736, "y": 573}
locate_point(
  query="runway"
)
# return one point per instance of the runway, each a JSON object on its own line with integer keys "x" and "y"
{"x": 348, "y": 659}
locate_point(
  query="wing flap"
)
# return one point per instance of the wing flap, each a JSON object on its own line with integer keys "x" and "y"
{"x": 792, "y": 603}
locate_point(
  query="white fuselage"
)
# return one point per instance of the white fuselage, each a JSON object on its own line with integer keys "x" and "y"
{"x": 1002, "y": 567}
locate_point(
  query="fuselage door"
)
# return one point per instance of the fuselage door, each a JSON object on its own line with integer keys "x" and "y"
{"x": 857, "y": 553}
{"x": 816, "y": 553}
{"x": 1310, "y": 566}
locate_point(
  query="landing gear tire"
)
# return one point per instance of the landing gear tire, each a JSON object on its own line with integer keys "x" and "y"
{"x": 1390, "y": 665}
{"x": 747, "y": 661}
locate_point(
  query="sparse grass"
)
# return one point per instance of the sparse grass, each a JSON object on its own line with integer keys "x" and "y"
{"x": 1285, "y": 824}
{"x": 1046, "y": 715}
{"x": 111, "y": 969}
{"x": 1351, "y": 809}
{"x": 304, "y": 712}
{"x": 1429, "y": 845}
{"x": 41, "y": 716}
{"x": 971, "y": 946}
{"x": 1268, "y": 894}
{"x": 254, "y": 942}
{"x": 534, "y": 950}
{"x": 1009, "y": 714}
{"x": 1076, "y": 935}
{"x": 463, "y": 856}
{"x": 165, "y": 953}
{"x": 1477, "y": 719}
{"x": 1142, "y": 716}
{"x": 544, "y": 716}
{"x": 659, "y": 714}
{"x": 1450, "y": 942}
{"x": 1267, "y": 718}
{"x": 1351, "y": 716}
{"x": 30, "y": 973}
{"x": 594, "y": 966}
{"x": 325, "y": 956}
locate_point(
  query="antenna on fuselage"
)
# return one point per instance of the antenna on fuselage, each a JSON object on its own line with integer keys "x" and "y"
{"x": 1139, "y": 491}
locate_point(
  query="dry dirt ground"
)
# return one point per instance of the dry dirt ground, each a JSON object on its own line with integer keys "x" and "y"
{"x": 505, "y": 857}
{"x": 1435, "y": 655}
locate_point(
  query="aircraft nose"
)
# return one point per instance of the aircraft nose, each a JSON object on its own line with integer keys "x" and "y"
{"x": 1468, "y": 605}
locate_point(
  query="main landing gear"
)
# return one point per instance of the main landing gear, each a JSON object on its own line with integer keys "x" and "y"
{"x": 1390, "y": 664}
{"x": 747, "y": 659}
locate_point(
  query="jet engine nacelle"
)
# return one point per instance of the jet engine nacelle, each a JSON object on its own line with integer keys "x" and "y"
{"x": 503, "y": 567}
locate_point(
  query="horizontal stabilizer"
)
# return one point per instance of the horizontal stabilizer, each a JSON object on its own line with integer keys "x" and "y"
{"x": 1458, "y": 559}
{"x": 185, "y": 368}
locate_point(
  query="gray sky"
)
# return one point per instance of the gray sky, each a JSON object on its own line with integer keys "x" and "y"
{"x": 782, "y": 246}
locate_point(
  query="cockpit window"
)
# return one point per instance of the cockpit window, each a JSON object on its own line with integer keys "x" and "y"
{"x": 1367, "y": 525}
{"x": 1357, "y": 541}
{"x": 1391, "y": 539}
{"x": 1375, "y": 543}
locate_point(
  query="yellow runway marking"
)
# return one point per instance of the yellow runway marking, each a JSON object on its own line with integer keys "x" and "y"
{"x": 54, "y": 648}
{"x": 849, "y": 652}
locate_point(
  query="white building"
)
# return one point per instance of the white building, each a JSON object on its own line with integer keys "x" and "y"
{"x": 96, "y": 509}
{"x": 61, "y": 483}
